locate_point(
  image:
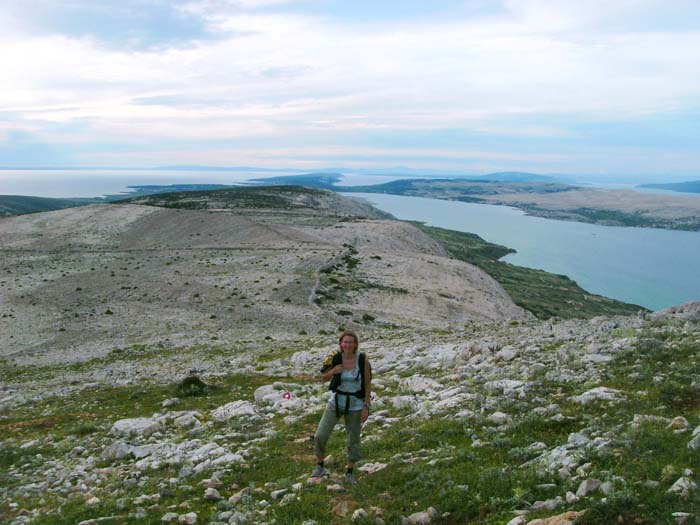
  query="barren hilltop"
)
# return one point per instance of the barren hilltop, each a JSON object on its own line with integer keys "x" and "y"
{"x": 274, "y": 261}
{"x": 160, "y": 357}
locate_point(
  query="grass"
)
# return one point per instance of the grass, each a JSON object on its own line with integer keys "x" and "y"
{"x": 542, "y": 293}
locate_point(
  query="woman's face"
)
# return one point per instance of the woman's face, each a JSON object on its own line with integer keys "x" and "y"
{"x": 347, "y": 344}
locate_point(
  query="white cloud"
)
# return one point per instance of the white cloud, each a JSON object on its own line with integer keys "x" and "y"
{"x": 276, "y": 75}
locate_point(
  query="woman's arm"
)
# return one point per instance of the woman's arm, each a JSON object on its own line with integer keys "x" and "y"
{"x": 368, "y": 391}
{"x": 368, "y": 383}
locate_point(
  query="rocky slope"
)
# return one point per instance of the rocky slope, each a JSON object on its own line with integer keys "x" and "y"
{"x": 591, "y": 421}
{"x": 81, "y": 282}
{"x": 161, "y": 366}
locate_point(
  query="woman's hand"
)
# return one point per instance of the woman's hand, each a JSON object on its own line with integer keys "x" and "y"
{"x": 364, "y": 414}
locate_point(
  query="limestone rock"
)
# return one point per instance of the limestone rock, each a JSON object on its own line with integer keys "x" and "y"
{"x": 421, "y": 518}
{"x": 587, "y": 486}
{"x": 601, "y": 393}
{"x": 140, "y": 426}
{"x": 234, "y": 409}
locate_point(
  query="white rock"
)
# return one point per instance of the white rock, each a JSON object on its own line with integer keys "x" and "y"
{"x": 359, "y": 514}
{"x": 507, "y": 353}
{"x": 117, "y": 450}
{"x": 212, "y": 494}
{"x": 587, "y": 486}
{"x": 169, "y": 517}
{"x": 679, "y": 424}
{"x": 238, "y": 408}
{"x": 186, "y": 421}
{"x": 601, "y": 393}
{"x": 276, "y": 494}
{"x": 421, "y": 518}
{"x": 168, "y": 403}
{"x": 140, "y": 426}
{"x": 518, "y": 520}
{"x": 549, "y": 504}
{"x": 400, "y": 402}
{"x": 682, "y": 518}
{"x": 639, "y": 419}
{"x": 419, "y": 384}
{"x": 498, "y": 418}
{"x": 228, "y": 458}
{"x": 507, "y": 386}
{"x": 683, "y": 486}
{"x": 371, "y": 468}
{"x": 93, "y": 501}
{"x": 189, "y": 519}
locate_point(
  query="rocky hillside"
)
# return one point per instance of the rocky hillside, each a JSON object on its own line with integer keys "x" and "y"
{"x": 587, "y": 422}
{"x": 160, "y": 365}
{"x": 79, "y": 283}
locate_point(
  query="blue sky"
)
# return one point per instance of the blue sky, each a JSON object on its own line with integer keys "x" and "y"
{"x": 596, "y": 87}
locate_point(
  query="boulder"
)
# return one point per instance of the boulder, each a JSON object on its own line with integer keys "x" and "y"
{"x": 140, "y": 426}
{"x": 234, "y": 409}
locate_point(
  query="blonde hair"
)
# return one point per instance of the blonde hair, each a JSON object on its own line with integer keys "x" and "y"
{"x": 352, "y": 334}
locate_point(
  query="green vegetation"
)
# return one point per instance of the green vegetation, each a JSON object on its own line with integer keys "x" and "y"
{"x": 544, "y": 294}
{"x": 267, "y": 197}
{"x": 19, "y": 204}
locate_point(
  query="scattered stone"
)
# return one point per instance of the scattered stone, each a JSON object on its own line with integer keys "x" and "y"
{"x": 118, "y": 450}
{"x": 682, "y": 518}
{"x": 568, "y": 518}
{"x": 601, "y": 393}
{"x": 498, "y": 418}
{"x": 588, "y": 486}
{"x": 371, "y": 468}
{"x": 683, "y": 487}
{"x": 212, "y": 494}
{"x": 679, "y": 425}
{"x": 188, "y": 519}
{"x": 232, "y": 410}
{"x": 140, "y": 426}
{"x": 359, "y": 514}
{"x": 421, "y": 518}
{"x": 276, "y": 494}
{"x": 170, "y": 402}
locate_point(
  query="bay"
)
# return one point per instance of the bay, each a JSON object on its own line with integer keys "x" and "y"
{"x": 650, "y": 267}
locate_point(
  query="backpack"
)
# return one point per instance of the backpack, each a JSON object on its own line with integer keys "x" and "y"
{"x": 336, "y": 358}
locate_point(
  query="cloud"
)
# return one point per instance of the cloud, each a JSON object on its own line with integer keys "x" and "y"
{"x": 519, "y": 71}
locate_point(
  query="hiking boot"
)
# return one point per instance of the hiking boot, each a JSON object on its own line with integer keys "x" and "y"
{"x": 318, "y": 471}
{"x": 350, "y": 478}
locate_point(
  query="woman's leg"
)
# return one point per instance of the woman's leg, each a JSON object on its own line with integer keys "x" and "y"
{"x": 353, "y": 427}
{"x": 323, "y": 432}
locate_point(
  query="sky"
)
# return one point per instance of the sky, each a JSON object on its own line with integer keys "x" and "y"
{"x": 473, "y": 86}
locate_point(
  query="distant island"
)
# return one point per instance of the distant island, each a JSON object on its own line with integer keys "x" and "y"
{"x": 692, "y": 186}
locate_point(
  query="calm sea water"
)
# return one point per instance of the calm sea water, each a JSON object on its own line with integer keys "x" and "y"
{"x": 649, "y": 267}
{"x": 97, "y": 183}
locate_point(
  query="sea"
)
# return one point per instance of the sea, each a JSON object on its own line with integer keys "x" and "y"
{"x": 649, "y": 267}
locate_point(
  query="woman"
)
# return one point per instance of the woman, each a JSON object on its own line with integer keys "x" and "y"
{"x": 351, "y": 399}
